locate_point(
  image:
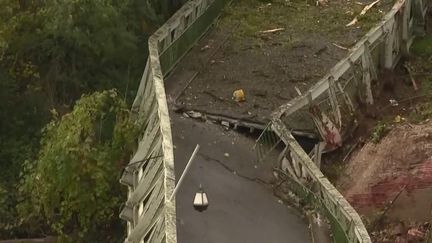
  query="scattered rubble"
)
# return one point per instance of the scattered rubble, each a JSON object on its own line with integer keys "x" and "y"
{"x": 271, "y": 31}
{"x": 401, "y": 233}
{"x": 193, "y": 114}
{"x": 225, "y": 124}
{"x": 363, "y": 12}
{"x": 393, "y": 102}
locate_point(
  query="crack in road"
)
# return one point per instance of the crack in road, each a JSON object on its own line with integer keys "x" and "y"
{"x": 257, "y": 180}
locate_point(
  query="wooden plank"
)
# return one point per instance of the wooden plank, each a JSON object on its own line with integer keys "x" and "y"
{"x": 334, "y": 102}
{"x": 389, "y": 46}
{"x": 140, "y": 93}
{"x": 152, "y": 175}
{"x": 150, "y": 213}
{"x": 368, "y": 73}
{"x": 144, "y": 145}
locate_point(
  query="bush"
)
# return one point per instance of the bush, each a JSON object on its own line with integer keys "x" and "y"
{"x": 379, "y": 131}
{"x": 73, "y": 184}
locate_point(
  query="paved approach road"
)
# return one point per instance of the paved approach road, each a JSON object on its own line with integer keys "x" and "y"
{"x": 241, "y": 210}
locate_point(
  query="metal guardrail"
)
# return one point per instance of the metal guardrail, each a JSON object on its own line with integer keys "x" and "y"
{"x": 381, "y": 47}
{"x": 150, "y": 178}
{"x": 311, "y": 184}
{"x": 332, "y": 103}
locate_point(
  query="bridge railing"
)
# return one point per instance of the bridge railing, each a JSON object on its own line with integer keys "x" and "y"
{"x": 315, "y": 189}
{"x": 331, "y": 103}
{"x": 150, "y": 177}
{"x": 356, "y": 75}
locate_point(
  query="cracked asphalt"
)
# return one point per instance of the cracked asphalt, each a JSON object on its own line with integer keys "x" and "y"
{"x": 242, "y": 208}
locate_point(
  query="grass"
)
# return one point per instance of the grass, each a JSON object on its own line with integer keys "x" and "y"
{"x": 422, "y": 71}
{"x": 422, "y": 46}
{"x": 299, "y": 17}
{"x": 379, "y": 131}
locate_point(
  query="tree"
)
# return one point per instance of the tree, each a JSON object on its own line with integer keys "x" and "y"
{"x": 72, "y": 46}
{"x": 73, "y": 183}
{"x": 52, "y": 52}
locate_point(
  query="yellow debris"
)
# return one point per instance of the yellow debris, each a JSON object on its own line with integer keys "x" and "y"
{"x": 239, "y": 95}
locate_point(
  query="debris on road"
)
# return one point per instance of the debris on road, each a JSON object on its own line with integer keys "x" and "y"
{"x": 340, "y": 47}
{"x": 363, "y": 12}
{"x": 239, "y": 95}
{"x": 225, "y": 124}
{"x": 194, "y": 114}
{"x": 226, "y": 155}
{"x": 393, "y": 102}
{"x": 205, "y": 48}
{"x": 271, "y": 31}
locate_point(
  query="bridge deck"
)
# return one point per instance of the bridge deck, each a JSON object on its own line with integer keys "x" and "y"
{"x": 240, "y": 209}
{"x": 270, "y": 67}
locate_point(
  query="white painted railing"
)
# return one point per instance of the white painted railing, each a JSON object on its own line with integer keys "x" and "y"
{"x": 150, "y": 215}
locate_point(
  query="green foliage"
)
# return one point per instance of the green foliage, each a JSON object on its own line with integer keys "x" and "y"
{"x": 379, "y": 131}
{"x": 422, "y": 46}
{"x": 3, "y": 207}
{"x": 73, "y": 183}
{"x": 71, "y": 47}
{"x": 52, "y": 52}
{"x": 421, "y": 67}
{"x": 423, "y": 110}
{"x": 298, "y": 17}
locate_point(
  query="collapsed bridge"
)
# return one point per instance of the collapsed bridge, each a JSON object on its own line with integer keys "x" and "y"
{"x": 328, "y": 108}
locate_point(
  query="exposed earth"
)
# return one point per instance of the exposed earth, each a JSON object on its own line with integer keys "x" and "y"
{"x": 390, "y": 182}
{"x": 385, "y": 168}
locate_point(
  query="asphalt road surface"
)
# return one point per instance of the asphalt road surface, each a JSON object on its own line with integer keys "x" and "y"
{"x": 241, "y": 209}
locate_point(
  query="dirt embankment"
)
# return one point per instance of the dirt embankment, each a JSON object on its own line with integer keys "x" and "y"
{"x": 390, "y": 183}
{"x": 401, "y": 161}
{"x": 388, "y": 176}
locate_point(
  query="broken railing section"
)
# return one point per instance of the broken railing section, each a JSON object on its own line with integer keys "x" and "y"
{"x": 333, "y": 101}
{"x": 150, "y": 178}
{"x": 266, "y": 143}
{"x": 309, "y": 184}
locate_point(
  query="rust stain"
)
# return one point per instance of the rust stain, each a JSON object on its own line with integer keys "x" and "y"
{"x": 383, "y": 191}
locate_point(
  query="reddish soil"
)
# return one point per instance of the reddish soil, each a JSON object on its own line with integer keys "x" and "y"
{"x": 400, "y": 161}
{"x": 389, "y": 182}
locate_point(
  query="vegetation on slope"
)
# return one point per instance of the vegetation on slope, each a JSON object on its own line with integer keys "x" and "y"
{"x": 51, "y": 53}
